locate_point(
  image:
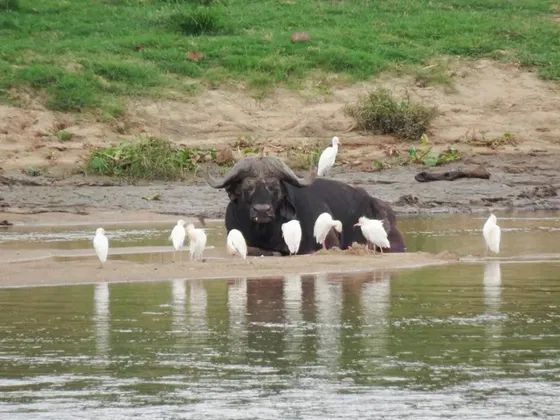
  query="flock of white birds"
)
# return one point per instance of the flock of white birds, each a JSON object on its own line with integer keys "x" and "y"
{"x": 372, "y": 229}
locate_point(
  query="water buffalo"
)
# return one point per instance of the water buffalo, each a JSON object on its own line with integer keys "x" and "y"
{"x": 264, "y": 193}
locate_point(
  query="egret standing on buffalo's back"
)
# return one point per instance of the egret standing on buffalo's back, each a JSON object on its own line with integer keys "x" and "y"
{"x": 326, "y": 161}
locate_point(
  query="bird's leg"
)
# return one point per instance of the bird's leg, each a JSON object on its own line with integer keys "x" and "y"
{"x": 373, "y": 249}
{"x": 324, "y": 244}
{"x": 381, "y": 248}
{"x": 173, "y": 260}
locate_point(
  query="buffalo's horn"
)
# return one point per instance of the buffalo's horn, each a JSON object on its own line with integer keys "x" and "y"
{"x": 238, "y": 170}
{"x": 287, "y": 174}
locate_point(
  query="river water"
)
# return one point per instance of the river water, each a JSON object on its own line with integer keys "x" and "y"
{"x": 469, "y": 341}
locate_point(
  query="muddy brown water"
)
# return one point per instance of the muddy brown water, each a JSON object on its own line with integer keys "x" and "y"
{"x": 468, "y": 340}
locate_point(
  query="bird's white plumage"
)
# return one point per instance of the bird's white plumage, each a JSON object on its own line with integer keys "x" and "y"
{"x": 323, "y": 226}
{"x": 236, "y": 244}
{"x": 291, "y": 232}
{"x": 178, "y": 234}
{"x": 101, "y": 245}
{"x": 327, "y": 158}
{"x": 374, "y": 231}
{"x": 197, "y": 241}
{"x": 492, "y": 234}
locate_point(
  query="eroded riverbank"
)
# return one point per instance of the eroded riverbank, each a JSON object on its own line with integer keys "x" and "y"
{"x": 520, "y": 182}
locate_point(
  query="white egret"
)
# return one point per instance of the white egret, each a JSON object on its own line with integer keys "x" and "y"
{"x": 291, "y": 232}
{"x": 492, "y": 234}
{"x": 236, "y": 244}
{"x": 177, "y": 236}
{"x": 374, "y": 231}
{"x": 323, "y": 226}
{"x": 101, "y": 245}
{"x": 326, "y": 161}
{"x": 197, "y": 241}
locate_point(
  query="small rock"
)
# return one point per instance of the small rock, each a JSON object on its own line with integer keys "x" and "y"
{"x": 5, "y": 223}
{"x": 300, "y": 37}
{"x": 121, "y": 128}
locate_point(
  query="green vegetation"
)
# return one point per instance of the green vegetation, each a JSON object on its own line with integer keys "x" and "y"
{"x": 380, "y": 113}
{"x": 422, "y": 155}
{"x": 148, "y": 158}
{"x": 84, "y": 55}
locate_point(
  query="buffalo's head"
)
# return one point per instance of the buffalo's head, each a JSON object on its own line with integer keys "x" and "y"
{"x": 258, "y": 184}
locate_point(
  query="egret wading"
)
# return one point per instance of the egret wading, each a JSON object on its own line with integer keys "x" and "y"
{"x": 326, "y": 161}
{"x": 323, "y": 226}
{"x": 101, "y": 245}
{"x": 177, "y": 236}
{"x": 492, "y": 234}
{"x": 374, "y": 232}
{"x": 236, "y": 244}
{"x": 291, "y": 232}
{"x": 197, "y": 241}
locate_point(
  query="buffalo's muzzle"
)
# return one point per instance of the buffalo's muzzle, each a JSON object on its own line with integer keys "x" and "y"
{"x": 262, "y": 213}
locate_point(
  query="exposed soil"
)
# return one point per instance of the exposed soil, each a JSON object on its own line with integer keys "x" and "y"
{"x": 49, "y": 272}
{"x": 490, "y": 99}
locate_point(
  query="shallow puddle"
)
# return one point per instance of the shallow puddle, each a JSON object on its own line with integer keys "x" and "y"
{"x": 469, "y": 341}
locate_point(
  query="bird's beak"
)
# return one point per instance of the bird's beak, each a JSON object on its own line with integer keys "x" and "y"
{"x": 357, "y": 224}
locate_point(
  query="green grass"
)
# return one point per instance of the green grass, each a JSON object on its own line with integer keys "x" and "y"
{"x": 84, "y": 54}
{"x": 148, "y": 158}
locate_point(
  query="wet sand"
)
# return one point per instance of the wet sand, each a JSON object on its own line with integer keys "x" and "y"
{"x": 49, "y": 272}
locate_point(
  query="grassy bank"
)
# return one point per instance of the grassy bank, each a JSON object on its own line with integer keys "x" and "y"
{"x": 85, "y": 54}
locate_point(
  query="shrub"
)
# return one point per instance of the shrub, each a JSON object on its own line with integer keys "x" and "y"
{"x": 149, "y": 158}
{"x": 380, "y": 113}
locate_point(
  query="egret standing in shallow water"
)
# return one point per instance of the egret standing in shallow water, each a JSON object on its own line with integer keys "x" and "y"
{"x": 197, "y": 241}
{"x": 326, "y": 161}
{"x": 492, "y": 234}
{"x": 291, "y": 232}
{"x": 323, "y": 226}
{"x": 101, "y": 245}
{"x": 177, "y": 236}
{"x": 236, "y": 244}
{"x": 374, "y": 232}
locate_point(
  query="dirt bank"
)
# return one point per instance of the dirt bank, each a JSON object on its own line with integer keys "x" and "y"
{"x": 50, "y": 272}
{"x": 489, "y": 100}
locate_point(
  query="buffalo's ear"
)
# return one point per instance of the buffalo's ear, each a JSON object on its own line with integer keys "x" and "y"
{"x": 287, "y": 210}
{"x": 234, "y": 191}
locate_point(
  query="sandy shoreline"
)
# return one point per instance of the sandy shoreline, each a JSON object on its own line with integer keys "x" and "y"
{"x": 50, "y": 272}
